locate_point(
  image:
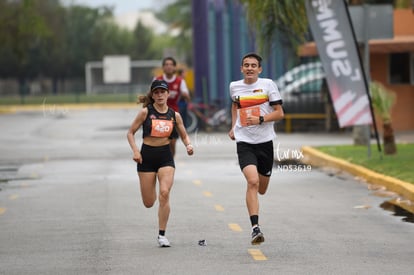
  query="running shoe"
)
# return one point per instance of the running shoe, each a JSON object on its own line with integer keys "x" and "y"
{"x": 163, "y": 241}
{"x": 257, "y": 236}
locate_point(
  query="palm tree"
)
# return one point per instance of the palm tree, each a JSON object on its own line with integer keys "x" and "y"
{"x": 382, "y": 102}
{"x": 277, "y": 17}
{"x": 177, "y": 15}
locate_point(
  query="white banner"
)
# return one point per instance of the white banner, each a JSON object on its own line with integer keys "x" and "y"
{"x": 332, "y": 31}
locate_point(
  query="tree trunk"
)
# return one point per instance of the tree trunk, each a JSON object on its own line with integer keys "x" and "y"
{"x": 390, "y": 147}
{"x": 361, "y": 134}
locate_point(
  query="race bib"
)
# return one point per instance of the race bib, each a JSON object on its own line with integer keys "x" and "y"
{"x": 244, "y": 113}
{"x": 161, "y": 128}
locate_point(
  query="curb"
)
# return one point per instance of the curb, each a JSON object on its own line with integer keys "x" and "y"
{"x": 317, "y": 158}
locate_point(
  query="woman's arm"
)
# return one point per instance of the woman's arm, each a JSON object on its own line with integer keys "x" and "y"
{"x": 136, "y": 124}
{"x": 183, "y": 134}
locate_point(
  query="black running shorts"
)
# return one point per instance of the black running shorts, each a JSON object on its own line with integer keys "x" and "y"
{"x": 153, "y": 158}
{"x": 260, "y": 155}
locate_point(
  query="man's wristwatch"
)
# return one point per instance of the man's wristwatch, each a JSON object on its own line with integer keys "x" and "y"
{"x": 261, "y": 119}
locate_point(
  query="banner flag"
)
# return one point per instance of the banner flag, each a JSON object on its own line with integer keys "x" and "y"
{"x": 332, "y": 30}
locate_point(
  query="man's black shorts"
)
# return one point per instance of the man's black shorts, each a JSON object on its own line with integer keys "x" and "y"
{"x": 260, "y": 155}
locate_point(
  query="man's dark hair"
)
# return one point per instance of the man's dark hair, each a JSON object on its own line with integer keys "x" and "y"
{"x": 252, "y": 55}
{"x": 169, "y": 58}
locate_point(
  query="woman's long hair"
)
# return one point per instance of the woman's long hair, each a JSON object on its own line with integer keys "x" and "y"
{"x": 145, "y": 99}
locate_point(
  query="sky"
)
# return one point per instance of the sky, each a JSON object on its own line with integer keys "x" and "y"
{"x": 123, "y": 6}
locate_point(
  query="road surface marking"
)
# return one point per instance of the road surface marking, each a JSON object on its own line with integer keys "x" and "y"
{"x": 13, "y": 197}
{"x": 235, "y": 227}
{"x": 257, "y": 254}
{"x": 197, "y": 182}
{"x": 207, "y": 194}
{"x": 2, "y": 210}
{"x": 219, "y": 207}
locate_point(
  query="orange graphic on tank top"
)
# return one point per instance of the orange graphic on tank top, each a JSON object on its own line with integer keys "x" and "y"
{"x": 161, "y": 128}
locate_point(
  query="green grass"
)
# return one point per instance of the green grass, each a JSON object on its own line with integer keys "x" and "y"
{"x": 400, "y": 166}
{"x": 68, "y": 98}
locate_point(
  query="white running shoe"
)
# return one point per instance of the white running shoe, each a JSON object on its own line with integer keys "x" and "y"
{"x": 163, "y": 241}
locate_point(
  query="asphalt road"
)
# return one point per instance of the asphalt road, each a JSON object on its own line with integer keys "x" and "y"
{"x": 70, "y": 204}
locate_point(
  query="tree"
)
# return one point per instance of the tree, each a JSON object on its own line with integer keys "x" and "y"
{"x": 84, "y": 34}
{"x": 178, "y": 16}
{"x": 142, "y": 47}
{"x": 49, "y": 54}
{"x": 382, "y": 102}
{"x": 273, "y": 18}
{"x": 21, "y": 30}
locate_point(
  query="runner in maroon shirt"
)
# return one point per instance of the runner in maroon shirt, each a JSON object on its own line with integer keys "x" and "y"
{"x": 177, "y": 88}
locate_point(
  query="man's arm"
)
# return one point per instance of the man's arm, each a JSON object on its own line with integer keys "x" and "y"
{"x": 276, "y": 115}
{"x": 185, "y": 93}
{"x": 233, "y": 119}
